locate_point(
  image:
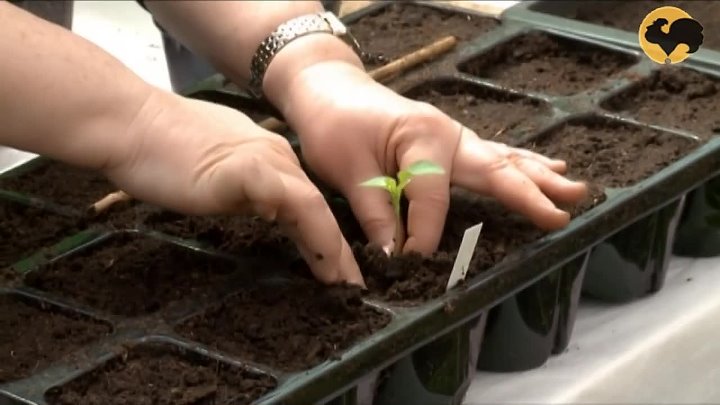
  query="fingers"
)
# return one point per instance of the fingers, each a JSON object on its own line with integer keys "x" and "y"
{"x": 374, "y": 212}
{"x": 273, "y": 185}
{"x": 520, "y": 180}
{"x": 307, "y": 219}
{"x": 428, "y": 195}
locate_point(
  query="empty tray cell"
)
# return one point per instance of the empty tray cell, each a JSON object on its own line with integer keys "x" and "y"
{"x": 33, "y": 337}
{"x": 491, "y": 114}
{"x": 628, "y": 15}
{"x": 287, "y": 327}
{"x": 549, "y": 64}
{"x": 132, "y": 275}
{"x": 399, "y": 28}
{"x": 673, "y": 97}
{"x": 611, "y": 153}
{"x": 162, "y": 374}
{"x": 59, "y": 183}
{"x": 26, "y": 230}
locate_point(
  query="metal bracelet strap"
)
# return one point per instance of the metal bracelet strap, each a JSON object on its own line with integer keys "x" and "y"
{"x": 285, "y": 33}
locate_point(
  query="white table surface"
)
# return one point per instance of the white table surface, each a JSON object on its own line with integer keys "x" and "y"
{"x": 661, "y": 349}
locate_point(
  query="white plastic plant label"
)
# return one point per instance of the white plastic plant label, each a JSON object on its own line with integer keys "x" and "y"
{"x": 464, "y": 256}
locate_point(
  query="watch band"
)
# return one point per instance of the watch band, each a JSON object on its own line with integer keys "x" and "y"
{"x": 287, "y": 32}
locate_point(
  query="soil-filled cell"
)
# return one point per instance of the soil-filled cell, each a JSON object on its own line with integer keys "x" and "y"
{"x": 544, "y": 63}
{"x": 237, "y": 235}
{"x": 26, "y": 230}
{"x": 288, "y": 327}
{"x": 132, "y": 275}
{"x": 628, "y": 15}
{"x": 676, "y": 98}
{"x": 160, "y": 374}
{"x": 32, "y": 338}
{"x": 491, "y": 114}
{"x": 60, "y": 183}
{"x": 398, "y": 29}
{"x": 611, "y": 153}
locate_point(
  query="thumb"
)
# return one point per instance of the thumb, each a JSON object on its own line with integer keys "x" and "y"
{"x": 374, "y": 212}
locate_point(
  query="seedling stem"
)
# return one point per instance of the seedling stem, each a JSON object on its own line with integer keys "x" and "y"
{"x": 396, "y": 186}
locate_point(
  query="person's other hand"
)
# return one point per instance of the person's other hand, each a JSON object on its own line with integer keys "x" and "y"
{"x": 352, "y": 128}
{"x": 200, "y": 158}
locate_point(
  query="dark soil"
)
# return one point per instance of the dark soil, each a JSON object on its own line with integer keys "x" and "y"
{"x": 610, "y": 153}
{"x": 238, "y": 235}
{"x": 26, "y": 230}
{"x": 492, "y": 115}
{"x": 61, "y": 184}
{"x": 399, "y": 29}
{"x": 287, "y": 327}
{"x": 32, "y": 339}
{"x": 543, "y": 63}
{"x": 130, "y": 275}
{"x": 628, "y": 15}
{"x": 157, "y": 375}
{"x": 675, "y": 98}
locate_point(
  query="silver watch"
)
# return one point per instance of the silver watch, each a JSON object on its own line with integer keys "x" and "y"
{"x": 287, "y": 32}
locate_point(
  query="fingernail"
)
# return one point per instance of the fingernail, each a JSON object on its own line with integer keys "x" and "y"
{"x": 388, "y": 249}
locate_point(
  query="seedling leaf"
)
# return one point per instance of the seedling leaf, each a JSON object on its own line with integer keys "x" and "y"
{"x": 423, "y": 167}
{"x": 380, "y": 181}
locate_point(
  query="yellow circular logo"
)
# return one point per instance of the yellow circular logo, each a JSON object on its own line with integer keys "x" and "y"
{"x": 669, "y": 35}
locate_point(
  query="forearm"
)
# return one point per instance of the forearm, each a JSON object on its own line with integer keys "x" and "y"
{"x": 228, "y": 33}
{"x": 61, "y": 96}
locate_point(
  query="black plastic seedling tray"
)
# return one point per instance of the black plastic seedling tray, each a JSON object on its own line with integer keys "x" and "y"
{"x": 511, "y": 316}
{"x": 698, "y": 233}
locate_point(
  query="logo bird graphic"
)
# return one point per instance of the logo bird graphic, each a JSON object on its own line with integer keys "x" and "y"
{"x": 682, "y": 31}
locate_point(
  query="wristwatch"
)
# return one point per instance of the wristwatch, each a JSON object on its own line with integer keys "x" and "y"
{"x": 289, "y": 31}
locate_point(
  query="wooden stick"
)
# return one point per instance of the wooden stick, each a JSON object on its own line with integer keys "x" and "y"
{"x": 380, "y": 74}
{"x": 110, "y": 199}
{"x": 388, "y": 71}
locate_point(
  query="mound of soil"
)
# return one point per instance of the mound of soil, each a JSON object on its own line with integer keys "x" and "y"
{"x": 401, "y": 28}
{"x": 31, "y": 339}
{"x": 628, "y": 15}
{"x": 544, "y": 63}
{"x": 131, "y": 275}
{"x": 491, "y": 114}
{"x": 61, "y": 183}
{"x": 27, "y": 230}
{"x": 156, "y": 374}
{"x": 288, "y": 327}
{"x": 676, "y": 98}
{"x": 611, "y": 153}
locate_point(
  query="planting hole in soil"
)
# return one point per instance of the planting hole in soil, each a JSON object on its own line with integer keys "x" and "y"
{"x": 611, "y": 153}
{"x": 674, "y": 98}
{"x": 32, "y": 338}
{"x": 288, "y": 327}
{"x": 491, "y": 114}
{"x": 398, "y": 29}
{"x": 132, "y": 275}
{"x": 628, "y": 15}
{"x": 410, "y": 279}
{"x": 548, "y": 64}
{"x": 60, "y": 183}
{"x": 162, "y": 374}
{"x": 26, "y": 230}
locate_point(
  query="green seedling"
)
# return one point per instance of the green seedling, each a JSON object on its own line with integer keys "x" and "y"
{"x": 395, "y": 187}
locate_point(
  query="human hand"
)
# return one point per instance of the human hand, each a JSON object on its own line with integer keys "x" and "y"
{"x": 352, "y": 128}
{"x": 200, "y": 158}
